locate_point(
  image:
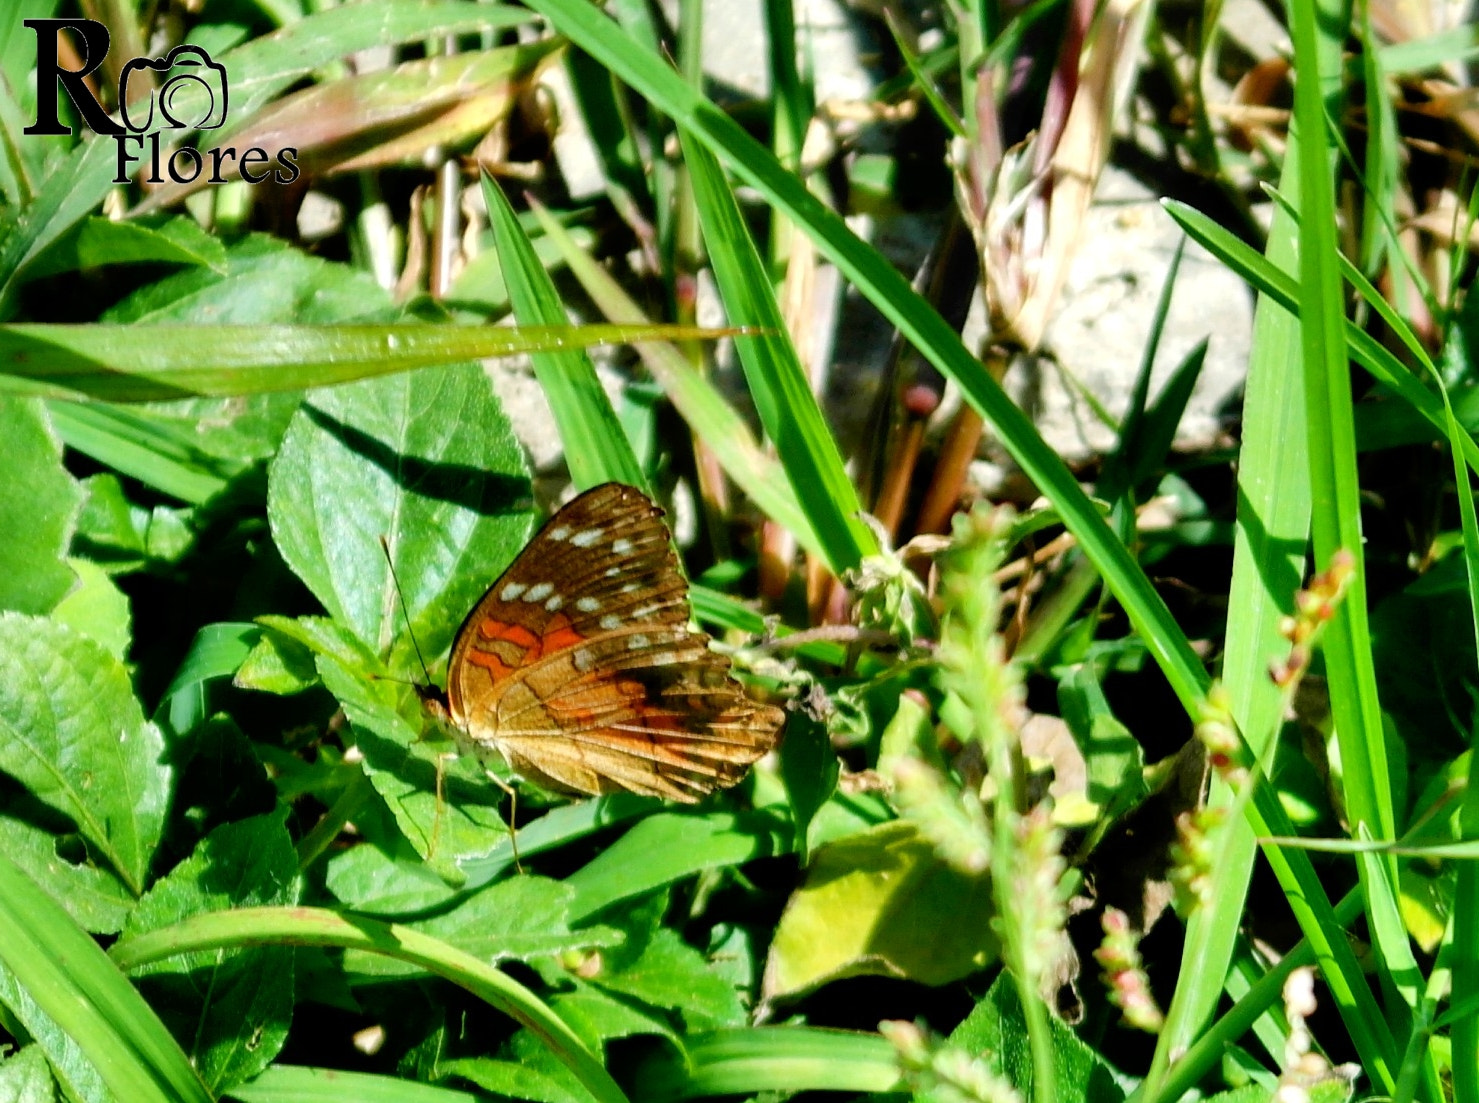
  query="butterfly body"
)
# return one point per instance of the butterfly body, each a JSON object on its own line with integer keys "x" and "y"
{"x": 579, "y": 666}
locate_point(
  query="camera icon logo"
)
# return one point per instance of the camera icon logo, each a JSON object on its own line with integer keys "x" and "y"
{"x": 193, "y": 98}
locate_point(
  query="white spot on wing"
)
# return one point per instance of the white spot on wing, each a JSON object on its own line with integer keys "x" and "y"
{"x": 638, "y": 642}
{"x": 559, "y": 532}
{"x": 586, "y": 539}
{"x": 587, "y": 604}
{"x": 539, "y": 591}
{"x": 584, "y": 661}
{"x": 554, "y": 603}
{"x": 512, "y": 591}
{"x": 610, "y": 622}
{"x": 612, "y": 572}
{"x": 621, "y": 546}
{"x": 630, "y": 586}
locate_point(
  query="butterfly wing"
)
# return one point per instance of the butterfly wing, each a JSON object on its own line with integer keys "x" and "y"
{"x": 579, "y": 666}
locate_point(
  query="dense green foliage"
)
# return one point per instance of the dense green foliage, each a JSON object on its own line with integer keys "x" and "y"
{"x": 1028, "y": 833}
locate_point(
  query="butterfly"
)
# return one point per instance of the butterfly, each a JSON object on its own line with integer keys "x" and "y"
{"x": 579, "y": 667}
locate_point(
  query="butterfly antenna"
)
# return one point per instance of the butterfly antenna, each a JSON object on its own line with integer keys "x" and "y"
{"x": 405, "y": 610}
{"x": 436, "y": 822}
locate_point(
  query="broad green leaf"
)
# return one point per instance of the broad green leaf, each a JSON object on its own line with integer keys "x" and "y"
{"x": 463, "y": 822}
{"x": 230, "y": 1008}
{"x": 322, "y": 636}
{"x": 120, "y": 536}
{"x": 277, "y": 664}
{"x": 1426, "y": 902}
{"x": 72, "y": 732}
{"x": 527, "y": 1078}
{"x": 1424, "y": 649}
{"x": 668, "y": 846}
{"x": 560, "y": 825}
{"x": 262, "y": 281}
{"x": 96, "y": 242}
{"x": 809, "y": 768}
{"x": 520, "y": 918}
{"x": 110, "y": 529}
{"x": 368, "y": 880}
{"x": 996, "y": 1027}
{"x": 26, "y": 1078}
{"x": 660, "y": 969}
{"x": 597, "y": 1016}
{"x": 881, "y": 903}
{"x": 193, "y": 447}
{"x": 96, "y": 898}
{"x": 1111, "y": 753}
{"x": 39, "y": 502}
{"x": 97, "y": 608}
{"x": 428, "y": 463}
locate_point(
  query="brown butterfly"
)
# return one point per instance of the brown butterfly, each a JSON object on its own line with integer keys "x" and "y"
{"x": 579, "y": 667}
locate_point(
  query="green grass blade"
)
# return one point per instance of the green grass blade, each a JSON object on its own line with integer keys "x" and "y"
{"x": 1363, "y": 348}
{"x": 746, "y": 1060}
{"x": 126, "y": 363}
{"x": 1335, "y": 522}
{"x": 1211, "y": 1046}
{"x": 778, "y": 385}
{"x": 933, "y": 337}
{"x": 1268, "y": 565}
{"x": 1464, "y": 957}
{"x": 320, "y": 927}
{"x": 70, "y": 986}
{"x": 1460, "y": 45}
{"x": 882, "y": 284}
{"x": 596, "y": 447}
{"x": 143, "y": 449}
{"x": 303, "y": 1084}
{"x": 754, "y": 471}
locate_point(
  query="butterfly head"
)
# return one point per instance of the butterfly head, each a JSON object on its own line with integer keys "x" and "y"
{"x": 434, "y": 701}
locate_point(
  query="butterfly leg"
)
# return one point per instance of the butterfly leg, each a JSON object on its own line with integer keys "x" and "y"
{"x": 513, "y": 809}
{"x": 441, "y": 802}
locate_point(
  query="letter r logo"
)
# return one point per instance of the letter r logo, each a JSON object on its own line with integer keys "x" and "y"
{"x": 49, "y": 73}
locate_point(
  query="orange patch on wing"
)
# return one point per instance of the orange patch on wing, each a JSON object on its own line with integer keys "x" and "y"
{"x": 558, "y": 635}
{"x": 489, "y": 662}
{"x": 516, "y": 634}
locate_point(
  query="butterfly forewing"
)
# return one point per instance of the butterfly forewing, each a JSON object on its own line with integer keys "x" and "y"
{"x": 579, "y": 666}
